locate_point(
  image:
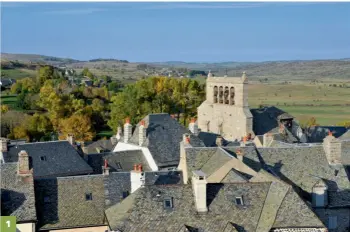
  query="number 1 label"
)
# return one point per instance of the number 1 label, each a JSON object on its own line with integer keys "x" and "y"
{"x": 8, "y": 224}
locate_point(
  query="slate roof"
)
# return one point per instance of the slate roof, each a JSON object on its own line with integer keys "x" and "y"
{"x": 120, "y": 161}
{"x": 209, "y": 139}
{"x": 61, "y": 202}
{"x": 144, "y": 211}
{"x": 104, "y": 144}
{"x": 17, "y": 195}
{"x": 164, "y": 135}
{"x": 316, "y": 134}
{"x": 7, "y": 82}
{"x": 266, "y": 119}
{"x": 61, "y": 158}
{"x": 302, "y": 166}
{"x": 345, "y": 136}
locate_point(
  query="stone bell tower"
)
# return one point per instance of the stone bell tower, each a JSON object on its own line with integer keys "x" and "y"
{"x": 225, "y": 110}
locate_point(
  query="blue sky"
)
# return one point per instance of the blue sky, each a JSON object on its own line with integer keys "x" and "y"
{"x": 191, "y": 32}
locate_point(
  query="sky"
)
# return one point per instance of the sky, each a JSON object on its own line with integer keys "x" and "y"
{"x": 182, "y": 31}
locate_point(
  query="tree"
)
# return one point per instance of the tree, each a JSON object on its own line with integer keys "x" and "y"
{"x": 4, "y": 109}
{"x": 78, "y": 125}
{"x": 86, "y": 72}
{"x": 345, "y": 124}
{"x": 45, "y": 73}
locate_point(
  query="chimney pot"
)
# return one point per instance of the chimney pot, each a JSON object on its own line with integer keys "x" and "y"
{"x": 199, "y": 186}
{"x": 23, "y": 163}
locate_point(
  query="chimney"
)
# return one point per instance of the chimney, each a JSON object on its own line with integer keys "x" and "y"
{"x": 137, "y": 178}
{"x": 105, "y": 168}
{"x": 281, "y": 129}
{"x": 23, "y": 164}
{"x": 127, "y": 130}
{"x": 199, "y": 186}
{"x": 244, "y": 77}
{"x": 142, "y": 132}
{"x": 193, "y": 127}
{"x": 219, "y": 141}
{"x": 186, "y": 140}
{"x": 267, "y": 139}
{"x": 119, "y": 133}
{"x": 332, "y": 148}
{"x": 239, "y": 154}
{"x": 84, "y": 148}
{"x": 3, "y": 145}
{"x": 244, "y": 141}
{"x": 71, "y": 139}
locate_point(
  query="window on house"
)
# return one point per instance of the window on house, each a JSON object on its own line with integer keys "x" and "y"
{"x": 118, "y": 166}
{"x": 46, "y": 199}
{"x": 88, "y": 196}
{"x": 332, "y": 222}
{"x": 43, "y": 158}
{"x": 239, "y": 201}
{"x": 168, "y": 203}
{"x": 125, "y": 194}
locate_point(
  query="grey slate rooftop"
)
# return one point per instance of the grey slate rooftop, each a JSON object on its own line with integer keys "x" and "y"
{"x": 17, "y": 195}
{"x": 63, "y": 202}
{"x": 163, "y": 138}
{"x": 266, "y": 119}
{"x": 58, "y": 158}
{"x": 266, "y": 205}
{"x": 120, "y": 161}
{"x": 316, "y": 134}
{"x": 103, "y": 145}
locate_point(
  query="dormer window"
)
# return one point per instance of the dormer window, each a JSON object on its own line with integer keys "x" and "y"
{"x": 43, "y": 158}
{"x": 88, "y": 196}
{"x": 239, "y": 201}
{"x": 168, "y": 203}
{"x": 125, "y": 194}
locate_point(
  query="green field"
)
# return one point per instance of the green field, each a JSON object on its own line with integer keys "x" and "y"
{"x": 17, "y": 73}
{"x": 10, "y": 100}
{"x": 329, "y": 105}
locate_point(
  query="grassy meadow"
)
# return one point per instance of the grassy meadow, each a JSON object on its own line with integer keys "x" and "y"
{"x": 329, "y": 105}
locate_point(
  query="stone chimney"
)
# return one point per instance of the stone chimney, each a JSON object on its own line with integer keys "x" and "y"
{"x": 244, "y": 141}
{"x": 219, "y": 141}
{"x": 267, "y": 139}
{"x": 105, "y": 168}
{"x": 3, "y": 145}
{"x": 83, "y": 147}
{"x": 23, "y": 164}
{"x": 127, "y": 130}
{"x": 239, "y": 154}
{"x": 114, "y": 140}
{"x": 137, "y": 178}
{"x": 186, "y": 140}
{"x": 199, "y": 186}
{"x": 332, "y": 148}
{"x": 71, "y": 139}
{"x": 142, "y": 132}
{"x": 244, "y": 77}
{"x": 193, "y": 127}
{"x": 119, "y": 133}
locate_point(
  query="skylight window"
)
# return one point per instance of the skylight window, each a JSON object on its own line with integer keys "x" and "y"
{"x": 239, "y": 201}
{"x": 118, "y": 166}
{"x": 88, "y": 196}
{"x": 43, "y": 158}
{"x": 168, "y": 203}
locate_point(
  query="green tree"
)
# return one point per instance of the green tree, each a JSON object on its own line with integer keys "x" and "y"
{"x": 45, "y": 73}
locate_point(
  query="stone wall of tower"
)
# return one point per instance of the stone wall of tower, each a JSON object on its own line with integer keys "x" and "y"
{"x": 225, "y": 110}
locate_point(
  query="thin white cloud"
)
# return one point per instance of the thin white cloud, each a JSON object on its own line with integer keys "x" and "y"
{"x": 76, "y": 11}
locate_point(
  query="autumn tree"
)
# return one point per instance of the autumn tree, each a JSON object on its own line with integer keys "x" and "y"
{"x": 79, "y": 126}
{"x": 45, "y": 73}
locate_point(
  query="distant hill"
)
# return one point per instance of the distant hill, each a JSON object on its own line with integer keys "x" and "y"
{"x": 37, "y": 58}
{"x": 273, "y": 70}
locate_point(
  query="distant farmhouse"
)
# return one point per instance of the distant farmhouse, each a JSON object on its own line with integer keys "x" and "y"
{"x": 233, "y": 169}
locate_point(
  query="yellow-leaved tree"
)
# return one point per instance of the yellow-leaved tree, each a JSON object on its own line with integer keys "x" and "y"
{"x": 78, "y": 125}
